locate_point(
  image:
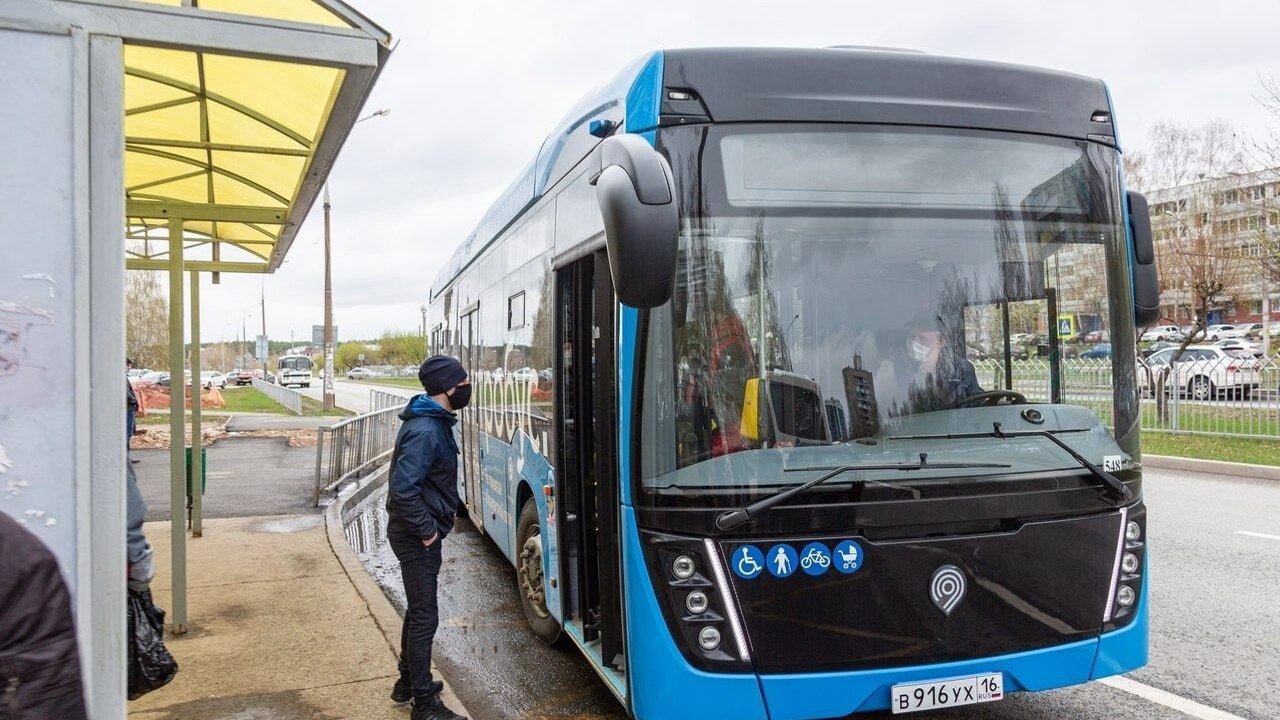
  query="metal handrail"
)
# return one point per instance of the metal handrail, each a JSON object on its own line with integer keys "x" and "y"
{"x": 353, "y": 447}
{"x": 290, "y": 399}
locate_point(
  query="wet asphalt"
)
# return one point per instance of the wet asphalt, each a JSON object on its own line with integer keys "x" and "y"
{"x": 1215, "y": 621}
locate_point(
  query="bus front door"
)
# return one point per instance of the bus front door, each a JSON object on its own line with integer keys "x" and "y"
{"x": 586, "y": 459}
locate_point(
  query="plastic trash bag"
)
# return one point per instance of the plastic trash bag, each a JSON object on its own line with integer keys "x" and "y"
{"x": 150, "y": 664}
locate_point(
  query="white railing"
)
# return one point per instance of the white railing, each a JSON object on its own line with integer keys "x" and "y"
{"x": 354, "y": 447}
{"x": 1220, "y": 395}
{"x": 380, "y": 400}
{"x": 290, "y": 399}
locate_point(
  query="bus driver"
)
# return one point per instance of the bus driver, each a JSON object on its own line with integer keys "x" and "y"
{"x": 943, "y": 375}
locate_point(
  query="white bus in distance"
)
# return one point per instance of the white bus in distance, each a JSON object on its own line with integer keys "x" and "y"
{"x": 294, "y": 370}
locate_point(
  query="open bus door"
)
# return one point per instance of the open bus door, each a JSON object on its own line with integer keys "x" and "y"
{"x": 586, "y": 461}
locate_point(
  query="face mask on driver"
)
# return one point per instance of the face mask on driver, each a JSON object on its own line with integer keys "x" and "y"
{"x": 460, "y": 397}
{"x": 917, "y": 350}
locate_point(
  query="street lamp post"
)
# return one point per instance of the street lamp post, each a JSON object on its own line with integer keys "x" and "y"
{"x": 328, "y": 288}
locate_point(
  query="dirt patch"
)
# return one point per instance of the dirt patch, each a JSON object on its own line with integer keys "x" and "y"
{"x": 153, "y": 438}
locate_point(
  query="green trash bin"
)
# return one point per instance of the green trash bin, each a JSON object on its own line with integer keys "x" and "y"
{"x": 204, "y": 470}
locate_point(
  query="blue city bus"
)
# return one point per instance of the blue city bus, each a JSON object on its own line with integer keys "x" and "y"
{"x": 747, "y": 418}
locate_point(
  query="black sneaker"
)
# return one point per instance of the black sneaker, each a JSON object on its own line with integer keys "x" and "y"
{"x": 402, "y": 694}
{"x": 434, "y": 709}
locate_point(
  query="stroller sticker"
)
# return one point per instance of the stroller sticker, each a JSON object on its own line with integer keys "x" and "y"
{"x": 848, "y": 557}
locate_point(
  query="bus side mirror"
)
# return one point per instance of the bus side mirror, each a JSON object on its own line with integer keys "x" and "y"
{"x": 636, "y": 192}
{"x": 1146, "y": 287}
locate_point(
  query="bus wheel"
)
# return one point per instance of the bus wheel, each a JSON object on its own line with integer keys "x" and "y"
{"x": 529, "y": 580}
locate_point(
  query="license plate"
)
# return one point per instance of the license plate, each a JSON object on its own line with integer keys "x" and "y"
{"x": 946, "y": 693}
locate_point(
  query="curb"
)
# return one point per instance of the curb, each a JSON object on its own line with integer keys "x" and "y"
{"x": 1216, "y": 467}
{"x": 384, "y": 614}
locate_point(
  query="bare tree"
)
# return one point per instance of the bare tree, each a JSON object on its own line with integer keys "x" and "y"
{"x": 146, "y": 320}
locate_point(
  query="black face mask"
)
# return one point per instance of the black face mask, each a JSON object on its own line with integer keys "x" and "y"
{"x": 460, "y": 397}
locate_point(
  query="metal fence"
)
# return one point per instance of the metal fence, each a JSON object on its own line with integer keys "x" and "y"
{"x": 290, "y": 399}
{"x": 1206, "y": 392}
{"x": 379, "y": 400}
{"x": 354, "y": 447}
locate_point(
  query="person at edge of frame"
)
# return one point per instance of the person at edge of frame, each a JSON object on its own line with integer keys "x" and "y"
{"x": 39, "y": 657}
{"x": 422, "y": 501}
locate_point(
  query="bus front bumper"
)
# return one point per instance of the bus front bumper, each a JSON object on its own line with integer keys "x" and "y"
{"x": 833, "y": 695}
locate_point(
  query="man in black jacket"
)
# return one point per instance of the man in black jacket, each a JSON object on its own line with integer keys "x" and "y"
{"x": 39, "y": 659}
{"x": 422, "y": 501}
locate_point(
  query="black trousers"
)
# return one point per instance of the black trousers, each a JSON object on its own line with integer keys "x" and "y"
{"x": 420, "y": 572}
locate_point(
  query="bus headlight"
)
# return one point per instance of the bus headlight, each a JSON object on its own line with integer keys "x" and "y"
{"x": 1133, "y": 532}
{"x": 696, "y": 602}
{"x": 1125, "y": 596}
{"x": 709, "y": 638}
{"x": 682, "y": 567}
{"x": 1129, "y": 565}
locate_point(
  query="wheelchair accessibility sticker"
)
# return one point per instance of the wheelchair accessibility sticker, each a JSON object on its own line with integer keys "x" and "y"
{"x": 815, "y": 558}
{"x": 747, "y": 562}
{"x": 848, "y": 557}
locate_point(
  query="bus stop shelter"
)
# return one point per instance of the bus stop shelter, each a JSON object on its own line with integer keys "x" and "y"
{"x": 181, "y": 136}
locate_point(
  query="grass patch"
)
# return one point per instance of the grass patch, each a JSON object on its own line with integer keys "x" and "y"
{"x": 248, "y": 399}
{"x": 315, "y": 408}
{"x": 1209, "y": 447}
{"x": 397, "y": 381}
{"x": 207, "y": 419}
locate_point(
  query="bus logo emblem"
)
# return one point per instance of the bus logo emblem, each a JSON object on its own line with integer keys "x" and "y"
{"x": 947, "y": 588}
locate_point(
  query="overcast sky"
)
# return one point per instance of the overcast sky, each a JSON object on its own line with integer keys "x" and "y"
{"x": 474, "y": 87}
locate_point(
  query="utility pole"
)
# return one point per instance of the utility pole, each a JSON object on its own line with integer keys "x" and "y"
{"x": 328, "y": 312}
{"x": 426, "y": 341}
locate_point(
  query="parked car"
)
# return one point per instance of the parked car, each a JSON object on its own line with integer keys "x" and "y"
{"x": 1097, "y": 336}
{"x": 166, "y": 380}
{"x": 1252, "y": 330}
{"x": 1101, "y": 351}
{"x": 1155, "y": 348}
{"x": 1223, "y": 332}
{"x": 1168, "y": 333}
{"x": 1253, "y": 348}
{"x": 524, "y": 375}
{"x": 360, "y": 373}
{"x": 245, "y": 376}
{"x": 212, "y": 378}
{"x": 152, "y": 377}
{"x": 1205, "y": 371}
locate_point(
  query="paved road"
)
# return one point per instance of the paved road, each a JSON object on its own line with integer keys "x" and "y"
{"x": 244, "y": 476}
{"x": 1215, "y": 622}
{"x": 354, "y": 396}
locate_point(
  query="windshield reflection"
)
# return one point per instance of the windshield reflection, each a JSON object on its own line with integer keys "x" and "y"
{"x": 837, "y": 306}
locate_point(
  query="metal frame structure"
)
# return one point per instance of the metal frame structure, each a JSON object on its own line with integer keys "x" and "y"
{"x": 101, "y": 32}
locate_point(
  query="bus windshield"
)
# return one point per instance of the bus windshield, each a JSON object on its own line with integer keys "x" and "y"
{"x": 842, "y": 289}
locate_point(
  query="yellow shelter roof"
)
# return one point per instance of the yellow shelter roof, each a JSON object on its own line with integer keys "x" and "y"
{"x": 229, "y": 142}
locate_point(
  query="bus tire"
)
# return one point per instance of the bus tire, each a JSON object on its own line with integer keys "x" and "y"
{"x": 529, "y": 580}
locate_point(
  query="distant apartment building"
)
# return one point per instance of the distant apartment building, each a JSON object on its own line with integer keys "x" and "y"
{"x": 1233, "y": 215}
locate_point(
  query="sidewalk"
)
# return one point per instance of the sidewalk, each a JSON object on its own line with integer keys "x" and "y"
{"x": 277, "y": 628}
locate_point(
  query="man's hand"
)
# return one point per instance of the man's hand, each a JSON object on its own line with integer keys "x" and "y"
{"x": 428, "y": 542}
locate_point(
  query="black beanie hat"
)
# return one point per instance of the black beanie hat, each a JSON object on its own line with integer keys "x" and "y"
{"x": 440, "y": 373}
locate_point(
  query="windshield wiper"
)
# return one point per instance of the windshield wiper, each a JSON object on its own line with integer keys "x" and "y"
{"x": 730, "y": 519}
{"x": 1113, "y": 484}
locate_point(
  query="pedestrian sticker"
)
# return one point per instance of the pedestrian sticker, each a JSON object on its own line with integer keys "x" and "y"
{"x": 747, "y": 562}
{"x": 848, "y": 557}
{"x": 1066, "y": 326}
{"x": 782, "y": 560}
{"x": 815, "y": 558}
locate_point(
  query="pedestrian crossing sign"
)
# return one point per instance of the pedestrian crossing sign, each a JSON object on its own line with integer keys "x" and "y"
{"x": 1066, "y": 326}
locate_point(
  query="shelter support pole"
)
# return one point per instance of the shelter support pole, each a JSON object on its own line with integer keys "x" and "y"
{"x": 197, "y": 434}
{"x": 177, "y": 430}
